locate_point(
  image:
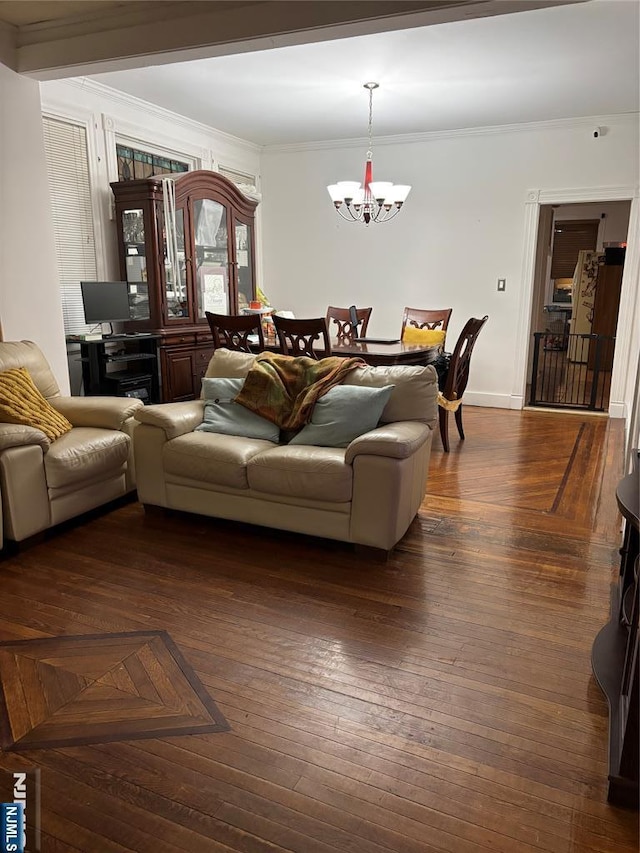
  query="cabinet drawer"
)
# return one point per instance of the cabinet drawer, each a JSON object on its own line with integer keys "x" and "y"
{"x": 177, "y": 339}
{"x": 203, "y": 357}
{"x": 203, "y": 354}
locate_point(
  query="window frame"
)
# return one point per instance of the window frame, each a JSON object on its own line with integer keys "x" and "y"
{"x": 150, "y": 148}
{"x": 72, "y": 325}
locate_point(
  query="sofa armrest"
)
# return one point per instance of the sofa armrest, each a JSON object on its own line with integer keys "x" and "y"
{"x": 174, "y": 418}
{"x": 103, "y": 412}
{"x": 397, "y": 440}
{"x": 15, "y": 435}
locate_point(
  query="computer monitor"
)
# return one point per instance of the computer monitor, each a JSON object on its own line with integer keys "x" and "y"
{"x": 105, "y": 301}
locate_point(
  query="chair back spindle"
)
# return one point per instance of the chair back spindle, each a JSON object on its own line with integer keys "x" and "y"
{"x": 426, "y": 319}
{"x": 342, "y": 319}
{"x": 233, "y": 331}
{"x": 299, "y": 337}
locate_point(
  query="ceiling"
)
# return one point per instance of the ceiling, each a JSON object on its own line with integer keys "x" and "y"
{"x": 545, "y": 64}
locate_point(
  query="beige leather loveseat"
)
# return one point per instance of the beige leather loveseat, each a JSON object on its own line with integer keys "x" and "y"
{"x": 45, "y": 482}
{"x": 366, "y": 493}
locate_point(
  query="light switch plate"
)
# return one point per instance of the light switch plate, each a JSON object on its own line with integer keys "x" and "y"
{"x": 502, "y": 284}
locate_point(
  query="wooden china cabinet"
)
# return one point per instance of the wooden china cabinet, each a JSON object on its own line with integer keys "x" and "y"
{"x": 208, "y": 266}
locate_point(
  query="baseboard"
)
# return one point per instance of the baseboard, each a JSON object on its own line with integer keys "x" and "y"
{"x": 491, "y": 401}
{"x": 617, "y": 410}
{"x": 513, "y": 401}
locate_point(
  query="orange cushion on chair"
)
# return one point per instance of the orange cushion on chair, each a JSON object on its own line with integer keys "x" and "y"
{"x": 22, "y": 403}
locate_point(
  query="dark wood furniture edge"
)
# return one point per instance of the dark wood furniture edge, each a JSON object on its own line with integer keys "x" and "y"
{"x": 607, "y": 661}
{"x": 613, "y": 651}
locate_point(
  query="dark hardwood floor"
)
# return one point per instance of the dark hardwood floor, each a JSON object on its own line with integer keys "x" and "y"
{"x": 441, "y": 702}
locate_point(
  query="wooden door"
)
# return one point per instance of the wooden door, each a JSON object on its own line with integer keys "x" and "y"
{"x": 605, "y": 313}
{"x": 178, "y": 375}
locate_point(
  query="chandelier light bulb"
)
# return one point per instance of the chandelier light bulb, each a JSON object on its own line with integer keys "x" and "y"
{"x": 372, "y": 201}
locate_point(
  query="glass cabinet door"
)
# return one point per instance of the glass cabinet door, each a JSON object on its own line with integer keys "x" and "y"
{"x": 136, "y": 263}
{"x": 244, "y": 263}
{"x": 211, "y": 262}
{"x": 174, "y": 259}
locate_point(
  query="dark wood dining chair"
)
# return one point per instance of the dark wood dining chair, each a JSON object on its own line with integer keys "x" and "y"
{"x": 297, "y": 337}
{"x": 232, "y": 331}
{"x": 422, "y": 319}
{"x": 341, "y": 317}
{"x": 450, "y": 398}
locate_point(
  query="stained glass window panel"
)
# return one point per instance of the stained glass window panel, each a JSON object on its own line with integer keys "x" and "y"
{"x": 133, "y": 163}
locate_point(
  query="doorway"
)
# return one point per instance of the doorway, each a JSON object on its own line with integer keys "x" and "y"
{"x": 577, "y": 282}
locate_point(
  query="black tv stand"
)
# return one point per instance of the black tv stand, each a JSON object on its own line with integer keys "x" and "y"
{"x": 121, "y": 366}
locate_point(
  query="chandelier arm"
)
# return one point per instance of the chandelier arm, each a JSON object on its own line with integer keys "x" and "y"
{"x": 385, "y": 214}
{"x": 351, "y": 217}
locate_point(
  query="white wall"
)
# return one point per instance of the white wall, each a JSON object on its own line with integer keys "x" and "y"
{"x": 460, "y": 230}
{"x": 30, "y": 306}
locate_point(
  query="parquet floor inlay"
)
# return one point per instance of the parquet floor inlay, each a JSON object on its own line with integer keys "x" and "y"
{"x": 95, "y": 688}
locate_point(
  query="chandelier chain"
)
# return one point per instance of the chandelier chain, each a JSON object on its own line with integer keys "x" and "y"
{"x": 370, "y": 120}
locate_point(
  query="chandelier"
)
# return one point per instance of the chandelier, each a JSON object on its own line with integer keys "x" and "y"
{"x": 377, "y": 201}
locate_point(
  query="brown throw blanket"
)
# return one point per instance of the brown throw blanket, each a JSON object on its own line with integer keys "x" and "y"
{"x": 284, "y": 389}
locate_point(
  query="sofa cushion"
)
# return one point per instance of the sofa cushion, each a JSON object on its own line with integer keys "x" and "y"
{"x": 229, "y": 363}
{"x": 218, "y": 460}
{"x": 344, "y": 413}
{"x": 414, "y": 397}
{"x": 319, "y": 473}
{"x": 22, "y": 403}
{"x": 222, "y": 415}
{"x": 85, "y": 453}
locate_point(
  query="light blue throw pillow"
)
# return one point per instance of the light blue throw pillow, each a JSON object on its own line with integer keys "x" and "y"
{"x": 222, "y": 415}
{"x": 342, "y": 414}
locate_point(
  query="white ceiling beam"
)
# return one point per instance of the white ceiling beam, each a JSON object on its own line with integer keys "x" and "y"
{"x": 8, "y": 41}
{"x": 136, "y": 38}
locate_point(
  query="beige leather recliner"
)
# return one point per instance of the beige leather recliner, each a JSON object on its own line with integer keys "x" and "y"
{"x": 367, "y": 493}
{"x": 43, "y": 483}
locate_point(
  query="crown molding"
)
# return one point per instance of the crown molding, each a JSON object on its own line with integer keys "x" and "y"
{"x": 427, "y": 136}
{"x": 122, "y": 99}
{"x": 586, "y": 195}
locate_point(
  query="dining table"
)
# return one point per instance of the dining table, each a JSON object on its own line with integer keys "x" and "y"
{"x": 374, "y": 353}
{"x": 379, "y": 353}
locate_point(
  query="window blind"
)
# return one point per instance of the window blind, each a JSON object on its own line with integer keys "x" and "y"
{"x": 569, "y": 237}
{"x": 245, "y": 182}
{"x": 70, "y": 190}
